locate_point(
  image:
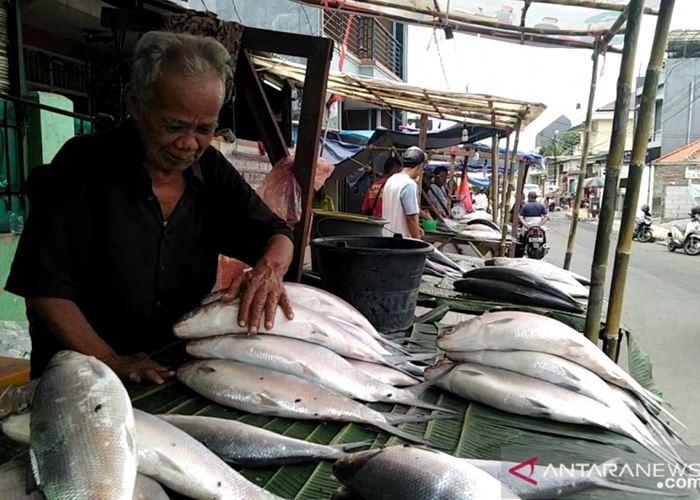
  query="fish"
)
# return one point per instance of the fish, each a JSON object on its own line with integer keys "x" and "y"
{"x": 522, "y": 395}
{"x": 555, "y": 482}
{"x": 266, "y": 392}
{"x": 546, "y": 271}
{"x": 484, "y": 222}
{"x": 523, "y": 331}
{"x": 17, "y": 398}
{"x": 82, "y": 422}
{"x": 403, "y": 472}
{"x": 520, "y": 277}
{"x": 384, "y": 373}
{"x": 219, "y": 318}
{"x": 251, "y": 446}
{"x": 437, "y": 256}
{"x": 517, "y": 294}
{"x": 181, "y": 463}
{"x": 308, "y": 361}
{"x": 437, "y": 269}
{"x": 482, "y": 234}
{"x": 148, "y": 489}
{"x": 553, "y": 369}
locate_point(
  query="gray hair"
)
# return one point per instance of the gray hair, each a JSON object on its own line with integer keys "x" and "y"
{"x": 193, "y": 55}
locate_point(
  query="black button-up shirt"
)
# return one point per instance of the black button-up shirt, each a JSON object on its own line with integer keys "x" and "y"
{"x": 96, "y": 235}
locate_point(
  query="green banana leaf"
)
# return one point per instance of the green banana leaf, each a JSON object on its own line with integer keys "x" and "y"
{"x": 477, "y": 432}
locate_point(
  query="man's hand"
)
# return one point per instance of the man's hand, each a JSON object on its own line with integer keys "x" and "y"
{"x": 138, "y": 367}
{"x": 261, "y": 290}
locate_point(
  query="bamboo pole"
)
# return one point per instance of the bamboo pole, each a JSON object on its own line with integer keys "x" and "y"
{"x": 504, "y": 186}
{"x": 507, "y": 190}
{"x": 634, "y": 179}
{"x": 612, "y": 174}
{"x": 522, "y": 173}
{"x": 422, "y": 141}
{"x": 584, "y": 162}
{"x": 494, "y": 178}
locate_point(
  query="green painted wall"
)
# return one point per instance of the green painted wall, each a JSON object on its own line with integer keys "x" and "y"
{"x": 47, "y": 131}
{"x": 11, "y": 306}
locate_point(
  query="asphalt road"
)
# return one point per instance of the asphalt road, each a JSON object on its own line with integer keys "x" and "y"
{"x": 660, "y": 308}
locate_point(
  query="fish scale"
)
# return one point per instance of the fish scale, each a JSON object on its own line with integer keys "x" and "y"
{"x": 82, "y": 442}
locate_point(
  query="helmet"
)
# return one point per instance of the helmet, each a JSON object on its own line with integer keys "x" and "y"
{"x": 413, "y": 157}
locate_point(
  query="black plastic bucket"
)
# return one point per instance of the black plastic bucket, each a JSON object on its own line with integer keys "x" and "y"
{"x": 379, "y": 276}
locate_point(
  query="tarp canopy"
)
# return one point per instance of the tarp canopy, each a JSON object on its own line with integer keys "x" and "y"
{"x": 472, "y": 109}
{"x": 570, "y": 23}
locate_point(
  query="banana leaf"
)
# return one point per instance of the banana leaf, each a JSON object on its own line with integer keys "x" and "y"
{"x": 477, "y": 432}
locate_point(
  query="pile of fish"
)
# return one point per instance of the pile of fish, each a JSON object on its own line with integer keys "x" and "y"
{"x": 533, "y": 365}
{"x": 568, "y": 282}
{"x": 440, "y": 265}
{"x": 401, "y": 472}
{"x": 516, "y": 285}
{"x": 80, "y": 409}
{"x": 303, "y": 368}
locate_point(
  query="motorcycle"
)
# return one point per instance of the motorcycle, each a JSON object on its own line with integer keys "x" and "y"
{"x": 533, "y": 243}
{"x": 686, "y": 237}
{"x": 642, "y": 229}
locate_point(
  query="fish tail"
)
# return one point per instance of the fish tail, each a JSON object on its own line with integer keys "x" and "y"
{"x": 418, "y": 389}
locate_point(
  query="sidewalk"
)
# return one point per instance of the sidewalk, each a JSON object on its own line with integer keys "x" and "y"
{"x": 660, "y": 229}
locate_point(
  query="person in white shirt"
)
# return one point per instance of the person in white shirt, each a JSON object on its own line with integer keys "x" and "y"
{"x": 400, "y": 201}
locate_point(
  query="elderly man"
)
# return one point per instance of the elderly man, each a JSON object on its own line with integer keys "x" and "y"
{"x": 127, "y": 238}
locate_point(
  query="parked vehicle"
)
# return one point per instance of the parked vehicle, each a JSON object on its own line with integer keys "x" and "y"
{"x": 642, "y": 228}
{"x": 533, "y": 243}
{"x": 686, "y": 235}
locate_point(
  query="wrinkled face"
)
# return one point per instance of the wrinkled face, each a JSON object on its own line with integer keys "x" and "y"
{"x": 179, "y": 122}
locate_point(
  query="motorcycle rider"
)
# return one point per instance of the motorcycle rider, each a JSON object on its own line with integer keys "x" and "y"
{"x": 533, "y": 213}
{"x": 645, "y": 216}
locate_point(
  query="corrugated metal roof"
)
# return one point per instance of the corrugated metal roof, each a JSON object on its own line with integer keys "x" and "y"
{"x": 473, "y": 109}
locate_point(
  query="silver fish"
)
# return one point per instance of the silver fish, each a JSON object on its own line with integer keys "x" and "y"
{"x": 308, "y": 361}
{"x": 218, "y": 318}
{"x": 82, "y": 422}
{"x": 148, "y": 489}
{"x": 16, "y": 427}
{"x": 384, "y": 373}
{"x": 515, "y": 330}
{"x": 515, "y": 393}
{"x": 186, "y": 466}
{"x": 547, "y": 271}
{"x": 402, "y": 472}
{"x": 267, "y": 392}
{"x": 251, "y": 446}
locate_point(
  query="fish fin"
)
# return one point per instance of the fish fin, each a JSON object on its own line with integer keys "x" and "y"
{"x": 318, "y": 333}
{"x": 165, "y": 463}
{"x": 537, "y": 404}
{"x": 352, "y": 446}
{"x": 33, "y": 475}
{"x": 346, "y": 493}
{"x": 418, "y": 389}
{"x": 267, "y": 401}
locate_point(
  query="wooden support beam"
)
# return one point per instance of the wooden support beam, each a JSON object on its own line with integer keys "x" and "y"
{"x": 320, "y": 52}
{"x": 251, "y": 92}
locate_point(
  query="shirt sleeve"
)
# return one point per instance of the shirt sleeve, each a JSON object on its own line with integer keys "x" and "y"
{"x": 248, "y": 223}
{"x": 409, "y": 199}
{"x": 55, "y": 238}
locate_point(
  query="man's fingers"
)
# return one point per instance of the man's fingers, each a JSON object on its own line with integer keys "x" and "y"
{"x": 256, "y": 310}
{"x": 286, "y": 306}
{"x": 270, "y": 310}
{"x": 246, "y": 300}
{"x": 133, "y": 376}
{"x": 152, "y": 375}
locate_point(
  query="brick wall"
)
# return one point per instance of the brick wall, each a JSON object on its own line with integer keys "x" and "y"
{"x": 671, "y": 187}
{"x": 244, "y": 155}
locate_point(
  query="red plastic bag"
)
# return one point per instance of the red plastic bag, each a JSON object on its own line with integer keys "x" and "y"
{"x": 281, "y": 191}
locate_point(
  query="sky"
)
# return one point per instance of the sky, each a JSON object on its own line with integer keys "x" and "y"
{"x": 558, "y": 78}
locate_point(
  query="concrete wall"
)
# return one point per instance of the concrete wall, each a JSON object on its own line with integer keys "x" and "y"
{"x": 601, "y": 133}
{"x": 681, "y": 103}
{"x": 672, "y": 197}
{"x": 11, "y": 306}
